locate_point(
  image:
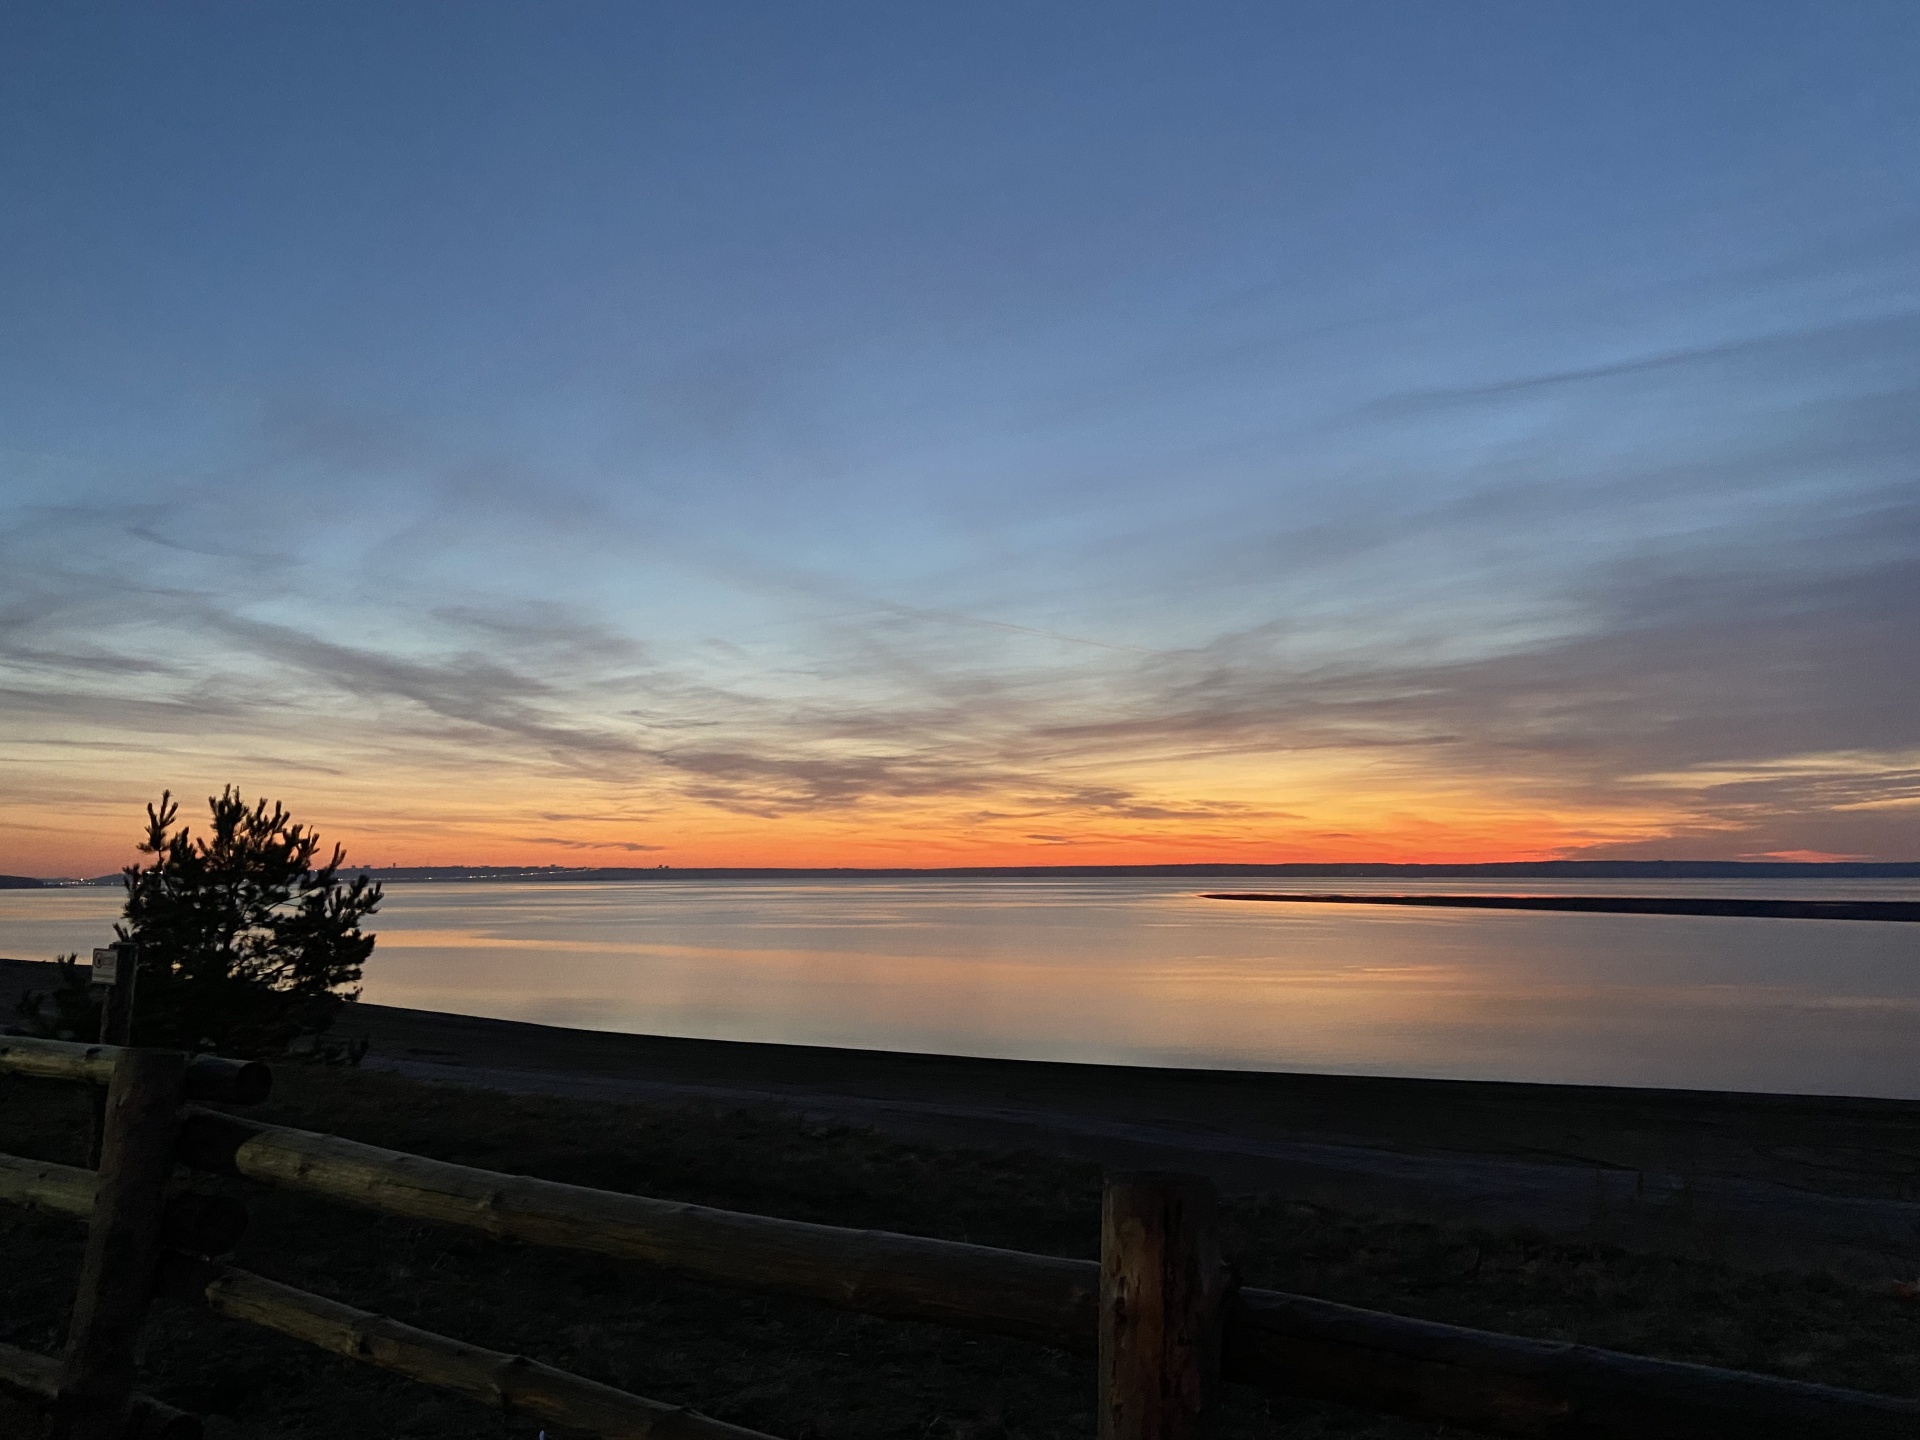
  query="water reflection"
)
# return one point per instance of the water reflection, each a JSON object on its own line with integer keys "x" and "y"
{"x": 1146, "y": 972}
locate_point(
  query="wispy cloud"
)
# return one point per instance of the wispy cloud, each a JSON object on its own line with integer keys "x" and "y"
{"x": 630, "y": 846}
{"x": 1847, "y": 343}
{"x": 1292, "y": 539}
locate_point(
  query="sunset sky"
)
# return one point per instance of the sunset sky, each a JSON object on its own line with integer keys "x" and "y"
{"x": 815, "y": 434}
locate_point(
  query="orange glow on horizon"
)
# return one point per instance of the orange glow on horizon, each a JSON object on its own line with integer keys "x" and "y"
{"x": 424, "y": 826}
{"x": 1332, "y": 805}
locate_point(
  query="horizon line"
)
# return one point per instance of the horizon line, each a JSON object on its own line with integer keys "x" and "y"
{"x": 1623, "y": 869}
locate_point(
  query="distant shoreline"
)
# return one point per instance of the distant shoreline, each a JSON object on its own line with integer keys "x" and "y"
{"x": 1622, "y": 905}
{"x": 1336, "y": 870}
{"x": 1519, "y": 870}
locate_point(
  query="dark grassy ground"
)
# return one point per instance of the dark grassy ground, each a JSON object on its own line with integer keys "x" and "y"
{"x": 795, "y": 1369}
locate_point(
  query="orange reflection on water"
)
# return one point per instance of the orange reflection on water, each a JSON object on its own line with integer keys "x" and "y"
{"x": 1145, "y": 972}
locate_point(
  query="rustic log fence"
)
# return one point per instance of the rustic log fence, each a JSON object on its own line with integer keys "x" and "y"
{"x": 1159, "y": 1308}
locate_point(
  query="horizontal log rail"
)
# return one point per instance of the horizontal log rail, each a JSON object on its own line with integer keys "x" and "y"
{"x": 43, "y": 1185}
{"x": 520, "y": 1388}
{"x": 1282, "y": 1344}
{"x": 903, "y": 1277}
{"x": 35, "y": 1380}
{"x": 212, "y": 1079}
{"x": 199, "y": 1224}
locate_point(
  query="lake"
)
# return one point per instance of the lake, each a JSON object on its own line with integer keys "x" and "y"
{"x": 1143, "y": 971}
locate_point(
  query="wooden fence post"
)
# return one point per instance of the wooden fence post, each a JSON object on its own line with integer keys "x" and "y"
{"x": 1163, "y": 1290}
{"x": 116, "y": 971}
{"x": 117, "y": 1276}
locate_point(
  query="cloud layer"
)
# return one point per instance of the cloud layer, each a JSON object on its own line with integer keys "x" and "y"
{"x": 1082, "y": 452}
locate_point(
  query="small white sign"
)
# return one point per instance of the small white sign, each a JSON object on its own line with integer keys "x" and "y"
{"x": 106, "y": 965}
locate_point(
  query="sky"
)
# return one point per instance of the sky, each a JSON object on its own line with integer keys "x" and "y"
{"x": 763, "y": 434}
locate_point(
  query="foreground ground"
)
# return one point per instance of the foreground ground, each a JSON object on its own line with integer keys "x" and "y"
{"x": 794, "y": 1369}
{"x": 1768, "y": 1180}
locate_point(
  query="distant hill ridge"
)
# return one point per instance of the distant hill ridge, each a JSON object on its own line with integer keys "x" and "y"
{"x": 1354, "y": 870}
{"x": 1518, "y": 870}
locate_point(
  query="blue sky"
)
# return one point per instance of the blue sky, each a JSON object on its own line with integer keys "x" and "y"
{"x": 843, "y": 433}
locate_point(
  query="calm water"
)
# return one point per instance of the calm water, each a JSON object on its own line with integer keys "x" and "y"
{"x": 1145, "y": 972}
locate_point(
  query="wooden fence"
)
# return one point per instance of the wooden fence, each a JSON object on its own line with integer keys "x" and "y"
{"x": 1159, "y": 1308}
